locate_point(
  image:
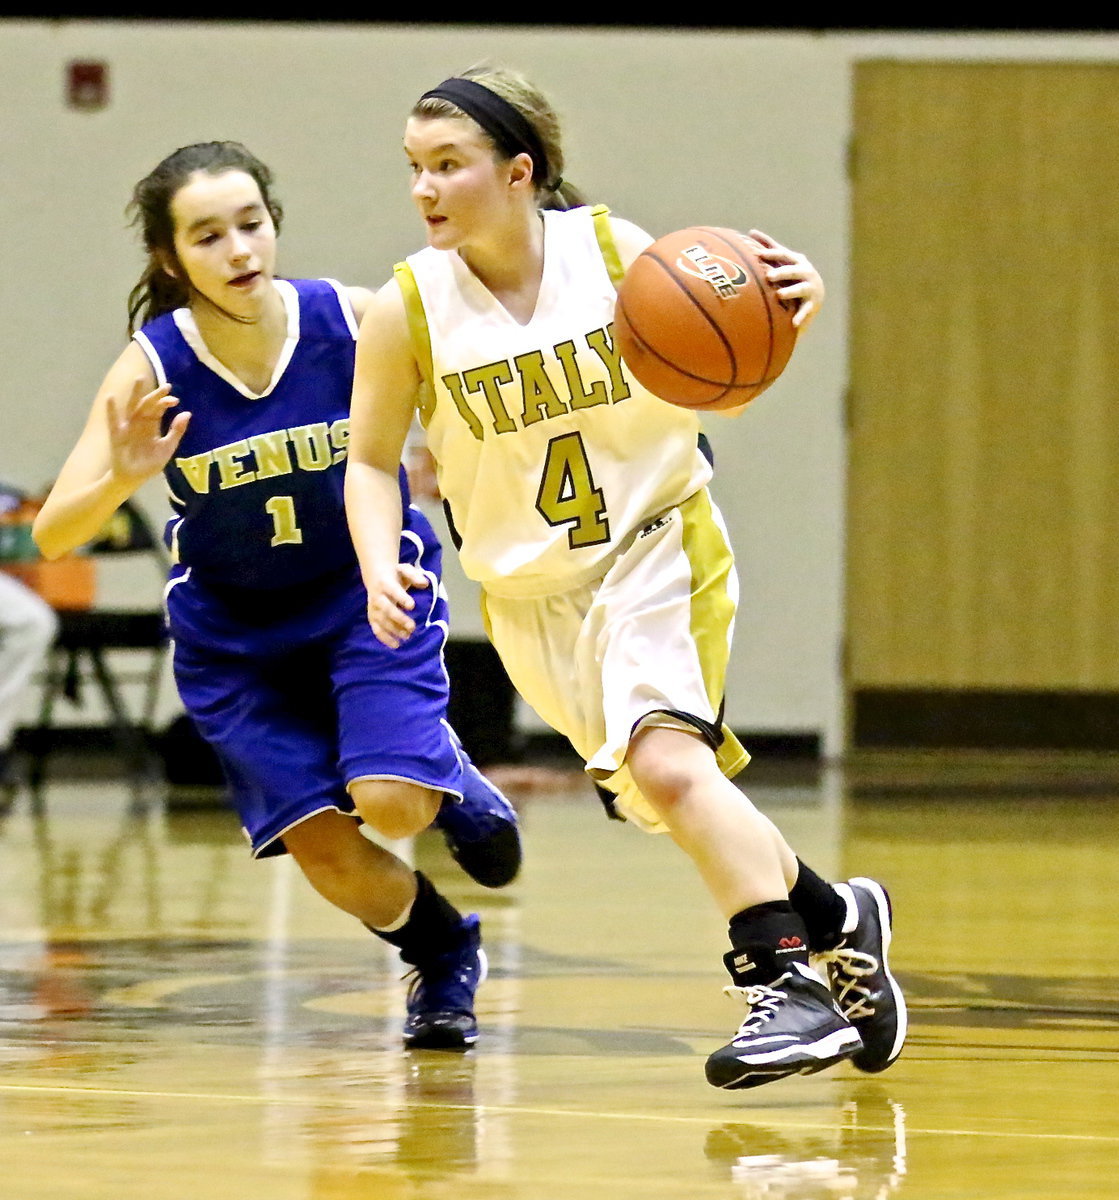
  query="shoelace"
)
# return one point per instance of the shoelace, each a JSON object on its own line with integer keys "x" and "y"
{"x": 417, "y": 995}
{"x": 848, "y": 968}
{"x": 761, "y": 1000}
{"x": 415, "y": 981}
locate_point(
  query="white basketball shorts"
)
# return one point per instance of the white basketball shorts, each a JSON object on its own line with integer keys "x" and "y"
{"x": 648, "y": 643}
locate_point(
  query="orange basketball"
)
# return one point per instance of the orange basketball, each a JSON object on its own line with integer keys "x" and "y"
{"x": 697, "y": 322}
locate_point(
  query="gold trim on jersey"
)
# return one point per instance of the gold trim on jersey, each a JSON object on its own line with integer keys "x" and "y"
{"x": 420, "y": 335}
{"x": 606, "y": 244}
{"x": 713, "y": 609}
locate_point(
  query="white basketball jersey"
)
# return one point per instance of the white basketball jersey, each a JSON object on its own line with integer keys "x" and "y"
{"x": 550, "y": 455}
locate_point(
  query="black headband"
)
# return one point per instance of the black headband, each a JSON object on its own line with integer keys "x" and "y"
{"x": 510, "y": 130}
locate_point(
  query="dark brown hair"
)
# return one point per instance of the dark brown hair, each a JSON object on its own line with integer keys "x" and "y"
{"x": 157, "y": 291}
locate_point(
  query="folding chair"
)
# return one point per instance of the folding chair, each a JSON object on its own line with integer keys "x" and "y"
{"x": 98, "y": 646}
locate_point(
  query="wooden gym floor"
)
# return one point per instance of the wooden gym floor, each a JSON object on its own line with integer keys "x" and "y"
{"x": 180, "y": 1023}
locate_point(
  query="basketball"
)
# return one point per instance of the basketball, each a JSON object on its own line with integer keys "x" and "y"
{"x": 698, "y": 323}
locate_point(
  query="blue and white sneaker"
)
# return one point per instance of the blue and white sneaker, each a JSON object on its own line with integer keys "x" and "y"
{"x": 481, "y": 830}
{"x": 441, "y": 995}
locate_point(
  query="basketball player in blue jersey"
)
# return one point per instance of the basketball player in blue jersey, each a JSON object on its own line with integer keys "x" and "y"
{"x": 237, "y": 388}
{"x": 581, "y": 506}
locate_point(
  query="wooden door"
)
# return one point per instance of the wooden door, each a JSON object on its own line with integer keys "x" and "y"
{"x": 984, "y": 436}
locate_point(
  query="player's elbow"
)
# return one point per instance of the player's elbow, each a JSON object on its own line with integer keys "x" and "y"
{"x": 55, "y": 533}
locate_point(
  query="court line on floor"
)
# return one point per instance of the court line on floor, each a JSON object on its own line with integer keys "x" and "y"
{"x": 745, "y": 1115}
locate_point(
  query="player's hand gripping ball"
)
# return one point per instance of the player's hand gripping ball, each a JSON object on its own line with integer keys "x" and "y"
{"x": 698, "y": 323}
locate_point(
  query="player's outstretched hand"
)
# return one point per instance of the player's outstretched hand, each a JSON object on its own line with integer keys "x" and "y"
{"x": 796, "y": 277}
{"x": 138, "y": 447}
{"x": 390, "y": 604}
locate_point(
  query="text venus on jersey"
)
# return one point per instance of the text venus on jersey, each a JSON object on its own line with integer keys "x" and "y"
{"x": 265, "y": 455}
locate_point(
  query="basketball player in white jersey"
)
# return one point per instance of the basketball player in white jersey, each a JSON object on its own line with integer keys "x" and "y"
{"x": 580, "y": 503}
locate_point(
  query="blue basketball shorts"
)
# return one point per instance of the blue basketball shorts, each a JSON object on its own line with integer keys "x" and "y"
{"x": 295, "y": 715}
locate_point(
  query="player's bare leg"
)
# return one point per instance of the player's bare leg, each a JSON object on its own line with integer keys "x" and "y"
{"x": 353, "y": 873}
{"x": 741, "y": 856}
{"x": 792, "y": 1024}
{"x": 393, "y": 808}
{"x": 479, "y": 825}
{"x": 401, "y": 907}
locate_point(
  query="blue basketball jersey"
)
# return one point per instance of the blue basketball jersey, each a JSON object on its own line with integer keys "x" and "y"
{"x": 257, "y": 481}
{"x": 274, "y": 657}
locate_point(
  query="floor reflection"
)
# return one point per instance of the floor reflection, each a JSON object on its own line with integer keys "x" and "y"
{"x": 177, "y": 1021}
{"x": 857, "y": 1151}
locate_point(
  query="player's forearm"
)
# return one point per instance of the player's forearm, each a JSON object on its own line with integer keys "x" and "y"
{"x": 374, "y": 516}
{"x": 71, "y": 516}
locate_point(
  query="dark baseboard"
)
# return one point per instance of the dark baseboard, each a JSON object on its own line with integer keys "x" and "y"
{"x": 792, "y": 747}
{"x": 97, "y": 742}
{"x": 941, "y": 719}
{"x": 796, "y": 747}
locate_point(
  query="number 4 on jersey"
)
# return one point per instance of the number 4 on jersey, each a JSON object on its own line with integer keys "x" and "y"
{"x": 568, "y": 495}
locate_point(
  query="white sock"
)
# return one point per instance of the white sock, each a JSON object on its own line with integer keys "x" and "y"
{"x": 399, "y": 923}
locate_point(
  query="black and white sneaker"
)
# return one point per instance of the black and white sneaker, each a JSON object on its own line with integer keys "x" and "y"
{"x": 859, "y": 974}
{"x": 441, "y": 995}
{"x": 793, "y": 1028}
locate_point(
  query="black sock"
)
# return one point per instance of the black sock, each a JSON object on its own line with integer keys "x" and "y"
{"x": 434, "y": 926}
{"x": 820, "y": 906}
{"x": 767, "y": 939}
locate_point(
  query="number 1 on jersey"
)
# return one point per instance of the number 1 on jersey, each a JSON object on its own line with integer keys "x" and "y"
{"x": 285, "y": 531}
{"x": 568, "y": 495}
